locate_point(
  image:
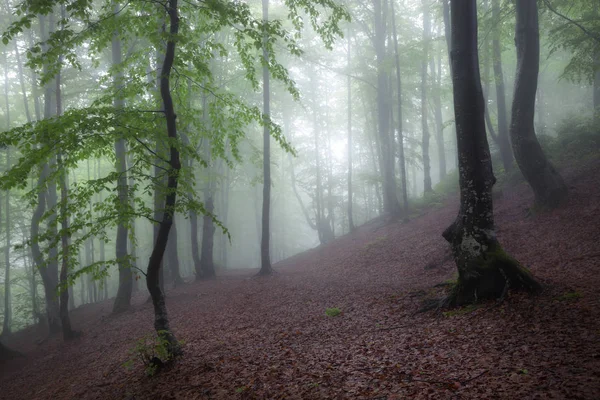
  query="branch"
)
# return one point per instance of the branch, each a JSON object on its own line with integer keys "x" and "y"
{"x": 577, "y": 24}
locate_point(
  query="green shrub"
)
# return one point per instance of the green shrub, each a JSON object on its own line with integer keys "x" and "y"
{"x": 333, "y": 312}
{"x": 152, "y": 351}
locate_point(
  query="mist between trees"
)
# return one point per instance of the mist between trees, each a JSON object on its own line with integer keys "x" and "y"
{"x": 149, "y": 144}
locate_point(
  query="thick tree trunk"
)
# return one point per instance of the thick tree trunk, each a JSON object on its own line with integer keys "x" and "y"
{"x": 424, "y": 125}
{"x": 390, "y": 199}
{"x": 401, "y": 156}
{"x": 548, "y": 186}
{"x": 161, "y": 318}
{"x": 265, "y": 257}
{"x": 503, "y": 142}
{"x": 484, "y": 269}
{"x": 123, "y": 298}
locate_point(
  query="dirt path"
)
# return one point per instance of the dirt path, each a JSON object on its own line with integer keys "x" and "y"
{"x": 270, "y": 338}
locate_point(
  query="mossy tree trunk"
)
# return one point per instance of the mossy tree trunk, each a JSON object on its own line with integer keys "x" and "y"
{"x": 548, "y": 186}
{"x": 484, "y": 269}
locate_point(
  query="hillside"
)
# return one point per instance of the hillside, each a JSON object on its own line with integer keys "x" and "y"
{"x": 271, "y": 338}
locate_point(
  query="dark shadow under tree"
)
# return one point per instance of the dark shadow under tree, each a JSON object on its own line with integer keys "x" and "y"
{"x": 484, "y": 270}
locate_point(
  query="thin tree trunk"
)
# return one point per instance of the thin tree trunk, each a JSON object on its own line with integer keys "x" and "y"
{"x": 65, "y": 320}
{"x": 548, "y": 186}
{"x": 22, "y": 81}
{"x": 503, "y": 141}
{"x": 265, "y": 257}
{"x": 439, "y": 123}
{"x": 48, "y": 268}
{"x": 484, "y": 269}
{"x": 6, "y": 325}
{"x": 123, "y": 298}
{"x": 424, "y": 125}
{"x": 350, "y": 144}
{"x": 161, "y": 319}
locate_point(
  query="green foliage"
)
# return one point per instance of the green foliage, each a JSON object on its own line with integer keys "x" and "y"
{"x": 333, "y": 312}
{"x": 152, "y": 351}
{"x": 461, "y": 311}
{"x": 570, "y": 296}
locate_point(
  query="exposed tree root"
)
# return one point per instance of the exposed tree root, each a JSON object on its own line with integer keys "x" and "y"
{"x": 490, "y": 276}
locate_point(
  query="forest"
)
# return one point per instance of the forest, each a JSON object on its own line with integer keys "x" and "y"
{"x": 300, "y": 199}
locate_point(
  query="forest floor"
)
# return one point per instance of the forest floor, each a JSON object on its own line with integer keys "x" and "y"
{"x": 271, "y": 338}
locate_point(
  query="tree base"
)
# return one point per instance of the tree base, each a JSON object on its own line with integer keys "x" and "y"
{"x": 490, "y": 276}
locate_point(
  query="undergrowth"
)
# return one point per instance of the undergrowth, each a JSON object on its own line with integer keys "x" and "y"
{"x": 152, "y": 352}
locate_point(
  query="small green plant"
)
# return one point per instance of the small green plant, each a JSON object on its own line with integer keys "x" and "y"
{"x": 523, "y": 371}
{"x": 152, "y": 351}
{"x": 570, "y": 296}
{"x": 241, "y": 389}
{"x": 333, "y": 312}
{"x": 461, "y": 311}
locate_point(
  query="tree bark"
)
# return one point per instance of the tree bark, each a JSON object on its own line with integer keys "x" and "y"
{"x": 173, "y": 256}
{"x": 484, "y": 269}
{"x": 265, "y": 257}
{"x": 502, "y": 135}
{"x": 161, "y": 318}
{"x": 424, "y": 125}
{"x": 548, "y": 186}
{"x": 123, "y": 299}
{"x": 390, "y": 200}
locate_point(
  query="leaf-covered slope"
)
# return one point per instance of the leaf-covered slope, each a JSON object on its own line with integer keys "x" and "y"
{"x": 271, "y": 338}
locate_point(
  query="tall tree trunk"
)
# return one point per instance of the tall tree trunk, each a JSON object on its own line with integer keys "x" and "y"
{"x": 548, "y": 186}
{"x": 161, "y": 318}
{"x": 207, "y": 264}
{"x": 48, "y": 268}
{"x": 132, "y": 241}
{"x": 390, "y": 200}
{"x": 503, "y": 142}
{"x": 123, "y": 299}
{"x": 350, "y": 144}
{"x": 436, "y": 78}
{"x": 484, "y": 269}
{"x": 401, "y": 156}
{"x": 424, "y": 125}
{"x": 6, "y": 325}
{"x": 22, "y": 81}
{"x": 265, "y": 257}
{"x": 65, "y": 320}
{"x": 193, "y": 216}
